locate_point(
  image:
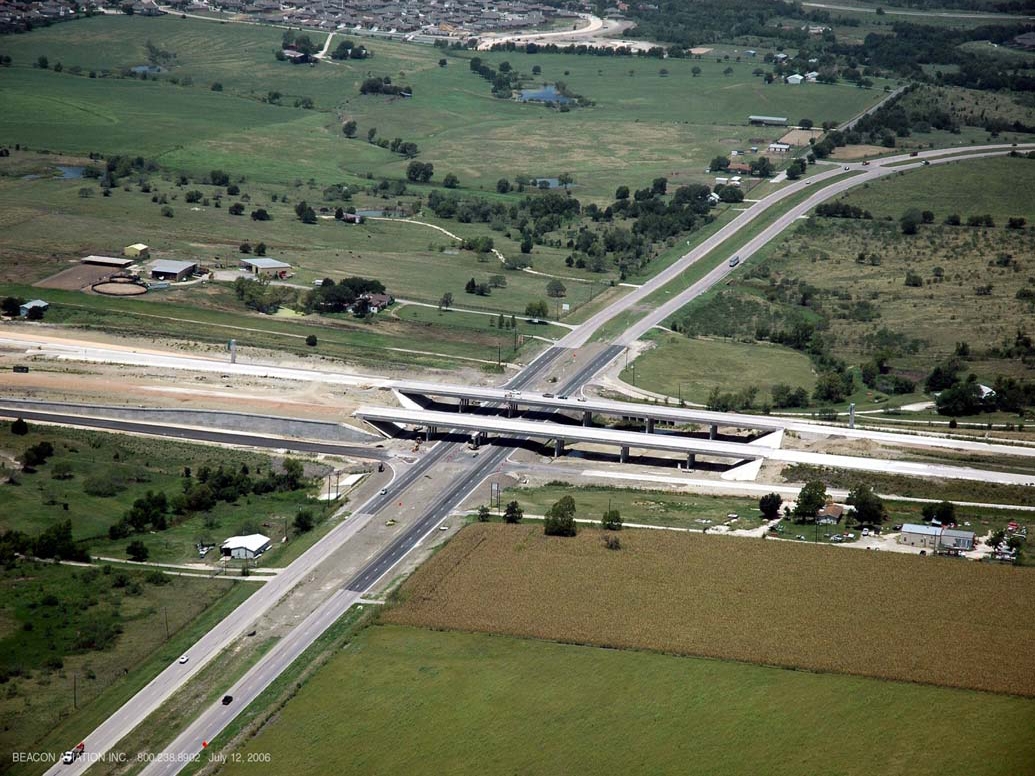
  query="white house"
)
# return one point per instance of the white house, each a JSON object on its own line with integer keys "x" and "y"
{"x": 23, "y": 310}
{"x": 795, "y": 80}
{"x": 250, "y": 546}
{"x": 779, "y": 148}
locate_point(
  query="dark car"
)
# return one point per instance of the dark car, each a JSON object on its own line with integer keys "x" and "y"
{"x": 228, "y": 699}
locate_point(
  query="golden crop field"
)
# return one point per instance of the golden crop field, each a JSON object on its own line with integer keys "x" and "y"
{"x": 933, "y": 620}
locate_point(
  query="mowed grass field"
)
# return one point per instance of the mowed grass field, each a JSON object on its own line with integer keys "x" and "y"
{"x": 642, "y": 124}
{"x": 414, "y": 701}
{"x": 928, "y": 620}
{"x": 967, "y": 188}
{"x": 691, "y": 369}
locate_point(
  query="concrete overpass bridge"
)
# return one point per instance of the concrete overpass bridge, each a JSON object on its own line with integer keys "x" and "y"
{"x": 583, "y": 407}
{"x": 481, "y": 426}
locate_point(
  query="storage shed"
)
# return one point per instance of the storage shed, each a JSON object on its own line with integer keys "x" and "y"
{"x": 264, "y": 266}
{"x": 137, "y": 251}
{"x": 172, "y": 270}
{"x": 245, "y": 547}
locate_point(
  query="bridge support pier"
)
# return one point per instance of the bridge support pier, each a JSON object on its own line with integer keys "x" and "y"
{"x": 511, "y": 408}
{"x": 465, "y": 403}
{"x": 623, "y": 454}
{"x": 650, "y": 425}
{"x": 587, "y": 418}
{"x": 429, "y": 432}
{"x": 558, "y": 448}
{"x": 691, "y": 459}
{"x": 713, "y": 431}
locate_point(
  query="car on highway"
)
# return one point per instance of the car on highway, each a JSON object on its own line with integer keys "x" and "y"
{"x": 384, "y": 491}
{"x": 866, "y": 164}
{"x": 735, "y": 261}
{"x": 73, "y": 754}
{"x": 847, "y": 167}
{"x": 581, "y": 398}
{"x": 228, "y": 699}
{"x": 563, "y": 396}
{"x": 547, "y": 395}
{"x": 183, "y": 659}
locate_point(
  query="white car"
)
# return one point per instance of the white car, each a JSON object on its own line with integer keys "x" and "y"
{"x": 183, "y": 659}
{"x": 384, "y": 491}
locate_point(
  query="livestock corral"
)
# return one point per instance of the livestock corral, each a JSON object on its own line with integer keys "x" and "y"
{"x": 931, "y": 620}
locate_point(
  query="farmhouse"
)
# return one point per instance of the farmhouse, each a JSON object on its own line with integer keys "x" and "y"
{"x": 740, "y": 167}
{"x": 378, "y": 302}
{"x": 264, "y": 266}
{"x": 137, "y": 251}
{"x": 35, "y": 304}
{"x": 830, "y": 514}
{"x": 107, "y": 261}
{"x": 779, "y": 148}
{"x": 768, "y": 121}
{"x": 165, "y": 269}
{"x": 250, "y": 546}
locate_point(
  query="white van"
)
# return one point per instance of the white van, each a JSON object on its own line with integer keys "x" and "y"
{"x": 735, "y": 261}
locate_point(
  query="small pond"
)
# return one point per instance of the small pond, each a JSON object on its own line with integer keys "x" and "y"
{"x": 546, "y": 93}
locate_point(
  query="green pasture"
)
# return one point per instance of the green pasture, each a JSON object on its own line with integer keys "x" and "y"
{"x": 690, "y": 369}
{"x": 642, "y": 124}
{"x": 966, "y": 188}
{"x": 419, "y": 701}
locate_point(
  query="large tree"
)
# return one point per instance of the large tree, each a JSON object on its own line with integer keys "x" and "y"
{"x": 555, "y": 288}
{"x": 867, "y": 506}
{"x": 769, "y": 505}
{"x": 513, "y": 513}
{"x": 810, "y": 500}
{"x": 560, "y": 518}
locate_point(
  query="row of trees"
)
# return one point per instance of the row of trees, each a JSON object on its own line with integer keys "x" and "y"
{"x": 559, "y": 519}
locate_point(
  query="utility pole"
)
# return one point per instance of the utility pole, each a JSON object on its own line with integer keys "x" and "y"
{"x": 165, "y": 611}
{"x": 75, "y": 691}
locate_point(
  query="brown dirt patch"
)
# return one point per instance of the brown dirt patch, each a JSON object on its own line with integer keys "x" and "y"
{"x": 932, "y": 620}
{"x": 857, "y": 151}
{"x": 120, "y": 289}
{"x": 801, "y": 137}
{"x": 75, "y": 278}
